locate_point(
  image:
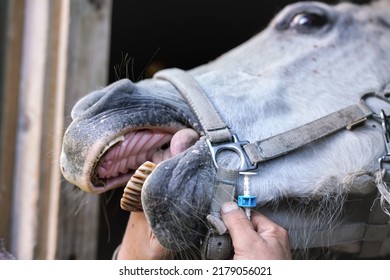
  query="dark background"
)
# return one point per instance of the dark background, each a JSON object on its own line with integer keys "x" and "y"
{"x": 150, "y": 35}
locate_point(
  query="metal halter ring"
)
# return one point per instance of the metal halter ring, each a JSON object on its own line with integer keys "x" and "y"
{"x": 235, "y": 146}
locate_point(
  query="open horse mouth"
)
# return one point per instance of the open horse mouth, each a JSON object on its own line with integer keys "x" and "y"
{"x": 119, "y": 128}
{"x": 124, "y": 154}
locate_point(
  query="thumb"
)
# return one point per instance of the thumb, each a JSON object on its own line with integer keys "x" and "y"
{"x": 238, "y": 224}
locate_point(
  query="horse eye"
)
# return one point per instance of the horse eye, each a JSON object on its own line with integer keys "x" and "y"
{"x": 306, "y": 22}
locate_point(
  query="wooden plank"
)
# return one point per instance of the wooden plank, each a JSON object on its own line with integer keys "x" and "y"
{"x": 52, "y": 128}
{"x": 12, "y": 17}
{"x": 87, "y": 70}
{"x": 29, "y": 130}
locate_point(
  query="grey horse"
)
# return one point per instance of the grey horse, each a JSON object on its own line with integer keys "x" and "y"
{"x": 312, "y": 61}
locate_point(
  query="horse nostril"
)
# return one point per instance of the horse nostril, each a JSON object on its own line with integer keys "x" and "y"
{"x": 86, "y": 102}
{"x": 94, "y": 97}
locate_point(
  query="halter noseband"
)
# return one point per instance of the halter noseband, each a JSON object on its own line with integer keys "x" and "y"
{"x": 217, "y": 244}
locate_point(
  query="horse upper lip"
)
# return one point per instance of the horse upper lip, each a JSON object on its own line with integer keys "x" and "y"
{"x": 101, "y": 122}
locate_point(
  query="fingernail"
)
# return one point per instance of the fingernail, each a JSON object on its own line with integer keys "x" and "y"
{"x": 228, "y": 207}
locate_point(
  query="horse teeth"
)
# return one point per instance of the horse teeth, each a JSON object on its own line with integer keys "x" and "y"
{"x": 131, "y": 198}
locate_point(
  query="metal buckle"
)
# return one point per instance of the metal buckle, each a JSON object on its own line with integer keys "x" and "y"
{"x": 236, "y": 146}
{"x": 216, "y": 246}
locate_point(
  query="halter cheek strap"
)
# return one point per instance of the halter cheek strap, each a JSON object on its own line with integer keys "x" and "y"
{"x": 217, "y": 244}
{"x": 213, "y": 125}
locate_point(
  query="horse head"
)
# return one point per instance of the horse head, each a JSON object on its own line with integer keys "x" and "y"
{"x": 313, "y": 60}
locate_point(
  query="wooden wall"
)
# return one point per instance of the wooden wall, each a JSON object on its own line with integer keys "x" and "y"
{"x": 88, "y": 59}
{"x": 51, "y": 54}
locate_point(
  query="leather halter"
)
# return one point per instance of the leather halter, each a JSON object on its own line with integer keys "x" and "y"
{"x": 217, "y": 244}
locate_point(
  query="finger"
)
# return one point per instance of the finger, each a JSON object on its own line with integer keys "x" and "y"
{"x": 273, "y": 234}
{"x": 139, "y": 242}
{"x": 238, "y": 224}
{"x": 264, "y": 226}
{"x": 141, "y": 227}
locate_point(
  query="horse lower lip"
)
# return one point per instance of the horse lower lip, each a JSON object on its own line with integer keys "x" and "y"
{"x": 114, "y": 182}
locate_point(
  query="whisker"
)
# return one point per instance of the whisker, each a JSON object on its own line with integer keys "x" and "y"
{"x": 147, "y": 64}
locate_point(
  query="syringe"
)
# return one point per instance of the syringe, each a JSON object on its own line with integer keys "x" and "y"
{"x": 247, "y": 201}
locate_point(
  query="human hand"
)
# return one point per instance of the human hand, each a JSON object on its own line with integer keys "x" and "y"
{"x": 258, "y": 239}
{"x": 139, "y": 243}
